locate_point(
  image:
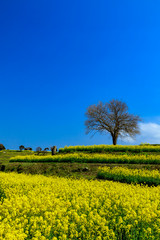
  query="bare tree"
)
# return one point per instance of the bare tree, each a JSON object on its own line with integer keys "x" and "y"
{"x": 112, "y": 117}
{"x": 38, "y": 149}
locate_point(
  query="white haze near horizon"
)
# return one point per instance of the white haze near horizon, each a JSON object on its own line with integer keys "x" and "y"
{"x": 149, "y": 133}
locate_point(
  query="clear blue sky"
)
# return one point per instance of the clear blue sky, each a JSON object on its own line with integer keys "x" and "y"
{"x": 59, "y": 57}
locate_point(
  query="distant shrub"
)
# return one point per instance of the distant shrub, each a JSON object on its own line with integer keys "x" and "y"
{"x": 21, "y": 147}
{"x": 46, "y": 149}
{"x": 28, "y": 148}
{"x": 2, "y": 147}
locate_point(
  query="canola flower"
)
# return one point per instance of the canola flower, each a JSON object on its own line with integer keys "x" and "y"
{"x": 110, "y": 148}
{"x": 123, "y": 174}
{"x": 39, "y": 208}
{"x": 90, "y": 158}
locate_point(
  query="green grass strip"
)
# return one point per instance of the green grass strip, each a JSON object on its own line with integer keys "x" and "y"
{"x": 121, "y": 174}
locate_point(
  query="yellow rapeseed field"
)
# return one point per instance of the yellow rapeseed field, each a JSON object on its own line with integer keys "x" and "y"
{"x": 92, "y": 158}
{"x": 111, "y": 148}
{"x": 39, "y": 208}
{"x": 123, "y": 174}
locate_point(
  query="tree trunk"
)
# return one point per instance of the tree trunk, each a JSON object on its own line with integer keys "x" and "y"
{"x": 114, "y": 138}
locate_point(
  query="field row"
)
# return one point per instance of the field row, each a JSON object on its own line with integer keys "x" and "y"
{"x": 122, "y": 174}
{"x": 90, "y": 158}
{"x": 110, "y": 148}
{"x": 40, "y": 208}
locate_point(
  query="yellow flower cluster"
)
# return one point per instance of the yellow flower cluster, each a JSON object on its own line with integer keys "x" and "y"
{"x": 38, "y": 207}
{"x": 134, "y": 172}
{"x": 92, "y": 158}
{"x": 123, "y": 174}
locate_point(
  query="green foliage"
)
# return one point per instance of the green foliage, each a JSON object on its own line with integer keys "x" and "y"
{"x": 2, "y": 194}
{"x": 21, "y": 147}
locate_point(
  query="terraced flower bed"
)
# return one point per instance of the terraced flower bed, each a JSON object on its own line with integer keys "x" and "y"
{"x": 121, "y": 174}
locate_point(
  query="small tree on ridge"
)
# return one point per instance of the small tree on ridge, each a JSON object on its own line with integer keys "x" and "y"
{"x": 21, "y": 147}
{"x": 2, "y": 147}
{"x": 38, "y": 149}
